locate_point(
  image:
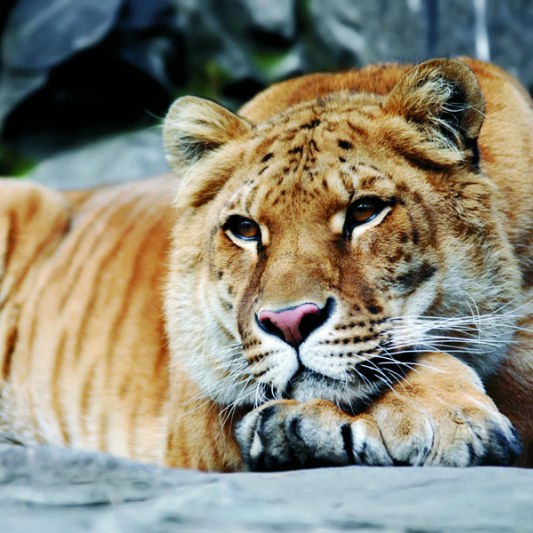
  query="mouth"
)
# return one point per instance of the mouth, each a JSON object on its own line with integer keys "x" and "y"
{"x": 307, "y": 384}
{"x": 305, "y": 374}
{"x": 365, "y": 381}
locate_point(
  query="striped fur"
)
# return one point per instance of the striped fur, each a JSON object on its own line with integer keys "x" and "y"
{"x": 74, "y": 374}
{"x": 128, "y": 314}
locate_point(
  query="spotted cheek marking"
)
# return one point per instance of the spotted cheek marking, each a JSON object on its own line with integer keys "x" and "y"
{"x": 231, "y": 277}
{"x": 406, "y": 269}
{"x": 254, "y": 346}
{"x": 223, "y": 276}
{"x": 227, "y": 297}
{"x": 273, "y": 369}
{"x": 355, "y": 331}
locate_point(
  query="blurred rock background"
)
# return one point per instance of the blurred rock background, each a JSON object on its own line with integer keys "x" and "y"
{"x": 84, "y": 84}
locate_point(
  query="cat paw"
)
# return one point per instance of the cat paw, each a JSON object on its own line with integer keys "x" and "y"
{"x": 288, "y": 435}
{"x": 468, "y": 433}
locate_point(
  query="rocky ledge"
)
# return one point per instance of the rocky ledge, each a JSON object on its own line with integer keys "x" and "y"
{"x": 50, "y": 489}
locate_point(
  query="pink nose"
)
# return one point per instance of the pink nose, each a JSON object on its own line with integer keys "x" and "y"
{"x": 293, "y": 325}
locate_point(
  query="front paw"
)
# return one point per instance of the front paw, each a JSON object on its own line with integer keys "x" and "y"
{"x": 437, "y": 431}
{"x": 287, "y": 435}
{"x": 440, "y": 415}
{"x": 436, "y": 416}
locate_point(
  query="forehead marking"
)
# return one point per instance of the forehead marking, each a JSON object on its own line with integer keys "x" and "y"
{"x": 302, "y": 155}
{"x": 357, "y": 129}
{"x": 310, "y": 125}
{"x": 344, "y": 144}
{"x": 296, "y": 150}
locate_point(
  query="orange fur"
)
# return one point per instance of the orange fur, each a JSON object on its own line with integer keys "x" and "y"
{"x": 128, "y": 314}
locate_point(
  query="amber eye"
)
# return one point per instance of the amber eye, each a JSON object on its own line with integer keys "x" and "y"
{"x": 361, "y": 212}
{"x": 243, "y": 228}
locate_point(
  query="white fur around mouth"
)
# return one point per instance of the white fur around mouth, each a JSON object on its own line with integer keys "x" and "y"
{"x": 308, "y": 385}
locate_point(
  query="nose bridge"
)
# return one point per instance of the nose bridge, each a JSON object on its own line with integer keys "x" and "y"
{"x": 295, "y": 273}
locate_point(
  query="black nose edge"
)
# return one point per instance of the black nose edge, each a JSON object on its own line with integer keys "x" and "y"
{"x": 311, "y": 323}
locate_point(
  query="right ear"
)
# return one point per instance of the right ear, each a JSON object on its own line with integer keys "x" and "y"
{"x": 442, "y": 99}
{"x": 196, "y": 127}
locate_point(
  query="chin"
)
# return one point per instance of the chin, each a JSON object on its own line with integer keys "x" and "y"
{"x": 308, "y": 385}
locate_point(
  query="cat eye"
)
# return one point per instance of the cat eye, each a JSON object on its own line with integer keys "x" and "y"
{"x": 243, "y": 228}
{"x": 362, "y": 211}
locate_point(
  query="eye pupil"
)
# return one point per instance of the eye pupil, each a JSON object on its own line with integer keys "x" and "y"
{"x": 243, "y": 228}
{"x": 247, "y": 228}
{"x": 361, "y": 212}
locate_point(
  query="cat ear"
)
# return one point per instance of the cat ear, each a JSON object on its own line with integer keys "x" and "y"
{"x": 443, "y": 100}
{"x": 195, "y": 127}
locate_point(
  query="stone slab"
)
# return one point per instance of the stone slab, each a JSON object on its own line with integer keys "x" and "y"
{"x": 48, "y": 489}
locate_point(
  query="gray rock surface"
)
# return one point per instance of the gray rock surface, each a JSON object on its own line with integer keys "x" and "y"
{"x": 358, "y": 33}
{"x": 39, "y": 42}
{"x": 46, "y": 489}
{"x": 40, "y": 36}
{"x": 120, "y": 159}
{"x": 508, "y": 37}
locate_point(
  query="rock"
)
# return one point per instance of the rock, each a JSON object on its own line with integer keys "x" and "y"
{"x": 136, "y": 42}
{"x": 15, "y": 86}
{"x": 357, "y": 33}
{"x": 116, "y": 160}
{"x": 276, "y": 17}
{"x": 49, "y": 489}
{"x": 85, "y": 59}
{"x": 511, "y": 39}
{"x": 36, "y": 39}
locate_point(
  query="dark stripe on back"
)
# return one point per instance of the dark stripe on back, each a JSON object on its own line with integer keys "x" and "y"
{"x": 11, "y": 238}
{"x": 125, "y": 303}
{"x": 30, "y": 262}
{"x": 11, "y": 342}
{"x": 55, "y": 385}
{"x": 85, "y": 397}
{"x": 312, "y": 124}
{"x": 344, "y": 145}
{"x": 100, "y": 271}
{"x": 75, "y": 270}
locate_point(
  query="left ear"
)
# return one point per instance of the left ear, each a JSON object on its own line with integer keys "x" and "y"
{"x": 443, "y": 100}
{"x": 196, "y": 127}
{"x": 194, "y": 130}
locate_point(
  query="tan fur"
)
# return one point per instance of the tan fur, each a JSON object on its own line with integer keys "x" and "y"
{"x": 86, "y": 365}
{"x": 90, "y": 321}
